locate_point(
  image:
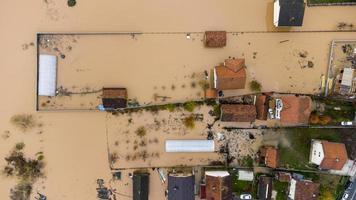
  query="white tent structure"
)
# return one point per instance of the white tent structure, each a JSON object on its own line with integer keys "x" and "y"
{"x": 177, "y": 146}
{"x": 47, "y": 75}
{"x": 245, "y": 175}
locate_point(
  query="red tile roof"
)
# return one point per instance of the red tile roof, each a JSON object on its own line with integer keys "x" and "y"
{"x": 296, "y": 109}
{"x": 306, "y": 190}
{"x": 270, "y": 155}
{"x": 215, "y": 38}
{"x": 218, "y": 188}
{"x": 262, "y": 107}
{"x": 335, "y": 155}
{"x": 238, "y": 113}
{"x": 235, "y": 64}
{"x": 227, "y": 79}
{"x": 115, "y": 93}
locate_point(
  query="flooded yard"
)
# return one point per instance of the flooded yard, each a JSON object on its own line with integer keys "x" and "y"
{"x": 172, "y": 66}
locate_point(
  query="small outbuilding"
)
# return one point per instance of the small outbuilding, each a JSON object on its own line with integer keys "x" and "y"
{"x": 215, "y": 39}
{"x": 238, "y": 113}
{"x": 245, "y": 175}
{"x": 140, "y": 186}
{"x": 269, "y": 156}
{"x": 288, "y": 12}
{"x": 218, "y": 185}
{"x": 114, "y": 98}
{"x": 181, "y": 186}
{"x": 211, "y": 93}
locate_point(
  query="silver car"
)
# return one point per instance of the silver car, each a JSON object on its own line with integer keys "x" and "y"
{"x": 279, "y": 107}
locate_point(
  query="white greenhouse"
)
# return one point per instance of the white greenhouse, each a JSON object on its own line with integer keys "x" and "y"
{"x": 190, "y": 146}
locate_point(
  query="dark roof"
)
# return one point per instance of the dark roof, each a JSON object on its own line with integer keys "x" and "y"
{"x": 238, "y": 113}
{"x": 140, "y": 186}
{"x": 218, "y": 188}
{"x": 180, "y": 187}
{"x": 114, "y": 98}
{"x": 264, "y": 188}
{"x": 306, "y": 190}
{"x": 112, "y": 104}
{"x": 291, "y": 12}
{"x": 215, "y": 38}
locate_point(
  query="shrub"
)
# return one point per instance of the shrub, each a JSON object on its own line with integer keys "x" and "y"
{"x": 19, "y": 146}
{"x": 204, "y": 84}
{"x": 141, "y": 131}
{"x": 21, "y": 191}
{"x": 189, "y": 106}
{"x": 71, "y": 3}
{"x": 170, "y": 107}
{"x": 24, "y": 122}
{"x": 255, "y": 86}
{"x": 314, "y": 119}
{"x": 189, "y": 122}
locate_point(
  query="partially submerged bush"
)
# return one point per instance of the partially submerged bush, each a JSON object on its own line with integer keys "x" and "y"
{"x": 25, "y": 169}
{"x": 141, "y": 131}
{"x": 71, "y": 3}
{"x": 189, "y": 122}
{"x": 21, "y": 191}
{"x": 170, "y": 107}
{"x": 319, "y": 119}
{"x": 255, "y": 86}
{"x": 19, "y": 146}
{"x": 24, "y": 122}
{"x": 189, "y": 106}
{"x": 204, "y": 84}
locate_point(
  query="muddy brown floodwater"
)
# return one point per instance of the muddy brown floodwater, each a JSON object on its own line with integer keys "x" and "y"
{"x": 74, "y": 143}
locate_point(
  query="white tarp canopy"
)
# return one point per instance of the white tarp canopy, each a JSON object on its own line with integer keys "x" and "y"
{"x": 190, "y": 146}
{"x": 347, "y": 77}
{"x": 245, "y": 175}
{"x": 47, "y": 75}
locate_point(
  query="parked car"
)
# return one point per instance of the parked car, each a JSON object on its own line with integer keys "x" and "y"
{"x": 279, "y": 107}
{"x": 349, "y": 123}
{"x": 245, "y": 196}
{"x": 271, "y": 114}
{"x": 345, "y": 196}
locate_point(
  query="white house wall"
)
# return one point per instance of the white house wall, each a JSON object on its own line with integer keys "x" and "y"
{"x": 316, "y": 152}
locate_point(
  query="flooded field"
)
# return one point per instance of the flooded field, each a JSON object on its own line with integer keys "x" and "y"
{"x": 74, "y": 143}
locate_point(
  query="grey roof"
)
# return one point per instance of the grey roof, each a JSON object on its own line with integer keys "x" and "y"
{"x": 181, "y": 187}
{"x": 291, "y": 12}
{"x": 140, "y": 186}
{"x": 264, "y": 188}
